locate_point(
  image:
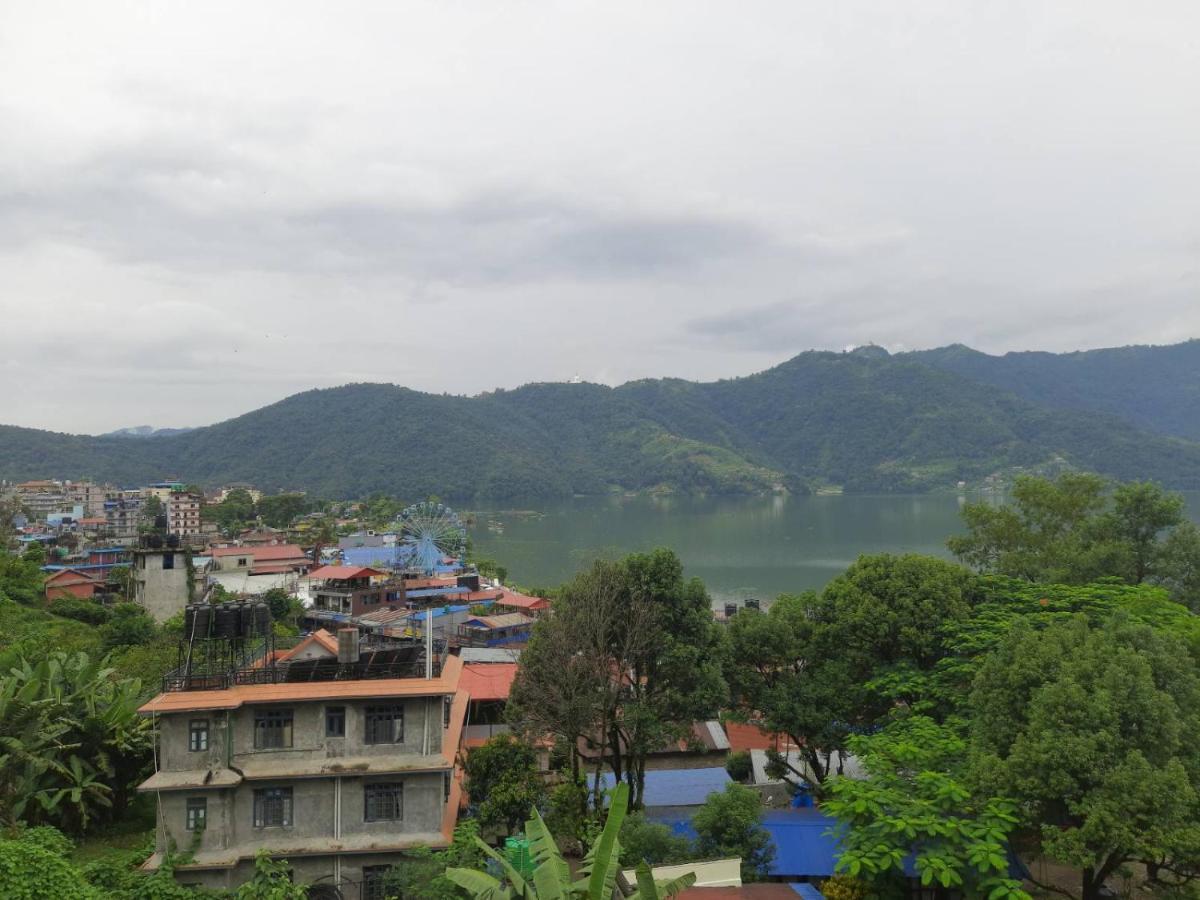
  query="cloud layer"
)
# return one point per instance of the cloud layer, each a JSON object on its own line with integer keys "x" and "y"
{"x": 204, "y": 208}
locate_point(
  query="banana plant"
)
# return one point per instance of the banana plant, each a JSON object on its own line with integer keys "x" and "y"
{"x": 551, "y": 879}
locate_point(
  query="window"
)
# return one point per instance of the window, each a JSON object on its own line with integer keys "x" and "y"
{"x": 446, "y": 782}
{"x": 198, "y": 734}
{"x": 168, "y": 560}
{"x": 241, "y": 562}
{"x": 385, "y": 724}
{"x": 335, "y": 721}
{"x": 383, "y": 802}
{"x": 374, "y": 883}
{"x": 273, "y": 807}
{"x": 197, "y": 813}
{"x": 446, "y": 703}
{"x": 273, "y": 729}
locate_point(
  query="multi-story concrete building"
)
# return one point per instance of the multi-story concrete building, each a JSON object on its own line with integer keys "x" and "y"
{"x": 163, "y": 580}
{"x": 183, "y": 513}
{"x": 340, "y": 774}
{"x": 123, "y": 514}
{"x": 354, "y": 590}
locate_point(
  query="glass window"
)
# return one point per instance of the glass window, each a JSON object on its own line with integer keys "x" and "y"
{"x": 385, "y": 724}
{"x": 446, "y": 702}
{"x": 168, "y": 560}
{"x": 198, "y": 734}
{"x": 383, "y": 802}
{"x": 374, "y": 883}
{"x": 335, "y": 721}
{"x": 273, "y": 807}
{"x": 197, "y": 813}
{"x": 272, "y": 729}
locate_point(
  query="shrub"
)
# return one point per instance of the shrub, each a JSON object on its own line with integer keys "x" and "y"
{"x": 737, "y": 764}
{"x": 81, "y": 610}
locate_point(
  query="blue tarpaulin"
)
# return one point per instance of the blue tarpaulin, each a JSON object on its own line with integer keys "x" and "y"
{"x": 677, "y": 787}
{"x": 420, "y": 593}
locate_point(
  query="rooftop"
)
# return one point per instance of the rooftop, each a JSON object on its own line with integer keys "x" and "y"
{"x": 342, "y": 573}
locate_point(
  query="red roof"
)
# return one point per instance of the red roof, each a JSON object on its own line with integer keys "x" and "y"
{"x": 750, "y": 737}
{"x": 517, "y": 600}
{"x": 488, "y": 681}
{"x": 73, "y": 576}
{"x": 343, "y": 572}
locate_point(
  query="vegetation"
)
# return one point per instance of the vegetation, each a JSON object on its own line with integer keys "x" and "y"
{"x": 552, "y": 876}
{"x": 627, "y": 661}
{"x": 863, "y": 420}
{"x": 503, "y": 779}
{"x": 727, "y": 825}
{"x": 1073, "y": 530}
{"x": 1153, "y": 387}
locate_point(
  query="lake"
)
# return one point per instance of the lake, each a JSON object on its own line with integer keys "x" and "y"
{"x": 740, "y": 546}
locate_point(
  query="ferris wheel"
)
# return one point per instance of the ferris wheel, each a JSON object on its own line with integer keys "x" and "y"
{"x": 430, "y": 532}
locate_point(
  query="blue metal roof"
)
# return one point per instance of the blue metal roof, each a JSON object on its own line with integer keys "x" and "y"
{"x": 369, "y": 556}
{"x": 443, "y": 610}
{"x": 807, "y": 891}
{"x": 436, "y": 592}
{"x": 677, "y": 787}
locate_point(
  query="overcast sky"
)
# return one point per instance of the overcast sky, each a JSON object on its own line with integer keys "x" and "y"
{"x": 205, "y": 207}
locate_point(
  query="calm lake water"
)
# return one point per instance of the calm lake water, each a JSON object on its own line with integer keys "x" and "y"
{"x": 740, "y": 546}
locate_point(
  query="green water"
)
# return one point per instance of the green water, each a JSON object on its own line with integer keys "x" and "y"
{"x": 740, "y": 546}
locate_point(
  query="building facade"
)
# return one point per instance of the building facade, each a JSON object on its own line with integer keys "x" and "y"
{"x": 183, "y": 513}
{"x": 163, "y": 580}
{"x": 339, "y": 776}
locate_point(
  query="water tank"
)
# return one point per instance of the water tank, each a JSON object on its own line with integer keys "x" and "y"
{"x": 347, "y": 645}
{"x": 189, "y": 620}
{"x": 751, "y": 603}
{"x": 227, "y": 621}
{"x": 154, "y": 541}
{"x": 204, "y": 617}
{"x": 172, "y": 540}
{"x": 730, "y": 610}
{"x": 262, "y": 618}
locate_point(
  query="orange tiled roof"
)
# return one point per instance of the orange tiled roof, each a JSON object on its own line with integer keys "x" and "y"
{"x": 488, "y": 681}
{"x": 248, "y": 694}
{"x": 743, "y": 736}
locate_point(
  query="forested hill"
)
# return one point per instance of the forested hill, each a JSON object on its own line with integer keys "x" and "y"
{"x": 863, "y": 420}
{"x": 1156, "y": 387}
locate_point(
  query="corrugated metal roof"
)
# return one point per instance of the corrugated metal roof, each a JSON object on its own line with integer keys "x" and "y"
{"x": 677, "y": 787}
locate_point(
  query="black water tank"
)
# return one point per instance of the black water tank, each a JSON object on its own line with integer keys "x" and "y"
{"x": 227, "y": 621}
{"x": 730, "y": 610}
{"x": 189, "y": 620}
{"x": 204, "y": 619}
{"x": 172, "y": 540}
{"x": 262, "y": 618}
{"x": 154, "y": 541}
{"x": 751, "y": 603}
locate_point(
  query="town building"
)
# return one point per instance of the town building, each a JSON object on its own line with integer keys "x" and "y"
{"x": 256, "y": 568}
{"x": 337, "y": 757}
{"x": 164, "y": 578}
{"x": 73, "y": 584}
{"x": 183, "y": 513}
{"x": 354, "y": 590}
{"x": 162, "y": 490}
{"x": 123, "y": 514}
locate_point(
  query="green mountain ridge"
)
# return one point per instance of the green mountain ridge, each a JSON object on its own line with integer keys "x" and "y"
{"x": 864, "y": 420}
{"x": 1156, "y": 387}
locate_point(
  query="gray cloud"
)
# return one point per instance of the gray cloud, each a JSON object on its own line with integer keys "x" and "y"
{"x": 205, "y": 210}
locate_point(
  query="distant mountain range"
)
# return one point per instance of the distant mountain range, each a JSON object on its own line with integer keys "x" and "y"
{"x": 145, "y": 431}
{"x": 863, "y": 420}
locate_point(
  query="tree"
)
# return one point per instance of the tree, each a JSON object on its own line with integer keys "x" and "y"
{"x": 280, "y": 510}
{"x": 503, "y": 782}
{"x": 1141, "y": 512}
{"x": 914, "y": 803}
{"x": 1092, "y": 729}
{"x": 151, "y": 509}
{"x": 233, "y": 513}
{"x": 129, "y": 625}
{"x": 651, "y": 842}
{"x": 813, "y": 665}
{"x": 280, "y": 602}
{"x": 739, "y": 765}
{"x": 728, "y": 825}
{"x": 1046, "y": 532}
{"x": 1178, "y": 567}
{"x": 1072, "y": 531}
{"x": 551, "y": 878}
{"x": 628, "y": 661}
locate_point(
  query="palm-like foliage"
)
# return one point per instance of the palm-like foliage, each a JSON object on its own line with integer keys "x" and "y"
{"x": 71, "y": 742}
{"x": 551, "y": 879}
